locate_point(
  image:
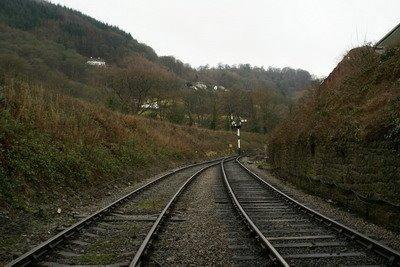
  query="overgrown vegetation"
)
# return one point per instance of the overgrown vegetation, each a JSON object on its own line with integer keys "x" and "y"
{"x": 66, "y": 126}
{"x": 52, "y": 144}
{"x": 346, "y": 134}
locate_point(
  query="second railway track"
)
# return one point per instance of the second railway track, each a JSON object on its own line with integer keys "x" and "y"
{"x": 293, "y": 234}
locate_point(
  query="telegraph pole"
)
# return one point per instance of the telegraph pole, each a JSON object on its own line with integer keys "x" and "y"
{"x": 236, "y": 123}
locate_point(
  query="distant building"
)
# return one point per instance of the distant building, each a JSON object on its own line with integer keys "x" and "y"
{"x": 96, "y": 62}
{"x": 150, "y": 105}
{"x": 392, "y": 38}
{"x": 219, "y": 88}
{"x": 198, "y": 86}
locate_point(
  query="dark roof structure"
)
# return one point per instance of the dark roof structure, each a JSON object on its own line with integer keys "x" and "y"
{"x": 390, "y": 39}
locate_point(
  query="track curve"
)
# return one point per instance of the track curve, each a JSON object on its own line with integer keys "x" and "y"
{"x": 116, "y": 216}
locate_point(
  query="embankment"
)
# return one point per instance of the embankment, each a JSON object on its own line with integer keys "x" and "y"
{"x": 343, "y": 139}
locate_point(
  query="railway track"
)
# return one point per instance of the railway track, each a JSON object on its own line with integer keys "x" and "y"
{"x": 293, "y": 234}
{"x": 125, "y": 232}
{"x": 120, "y": 233}
{"x": 210, "y": 234}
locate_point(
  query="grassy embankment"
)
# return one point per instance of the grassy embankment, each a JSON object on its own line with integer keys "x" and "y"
{"x": 343, "y": 139}
{"x": 54, "y": 146}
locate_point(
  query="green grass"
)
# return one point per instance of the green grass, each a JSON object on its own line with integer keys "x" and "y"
{"x": 97, "y": 258}
{"x": 149, "y": 205}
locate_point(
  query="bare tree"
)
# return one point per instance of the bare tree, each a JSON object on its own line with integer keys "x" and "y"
{"x": 140, "y": 81}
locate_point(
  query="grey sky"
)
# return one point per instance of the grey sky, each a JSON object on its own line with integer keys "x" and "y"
{"x": 308, "y": 34}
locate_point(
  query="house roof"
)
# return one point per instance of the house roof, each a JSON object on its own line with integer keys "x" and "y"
{"x": 390, "y": 38}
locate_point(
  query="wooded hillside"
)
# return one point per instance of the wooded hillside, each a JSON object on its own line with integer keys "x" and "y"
{"x": 47, "y": 44}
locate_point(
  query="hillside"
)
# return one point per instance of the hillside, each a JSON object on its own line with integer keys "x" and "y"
{"x": 51, "y": 138}
{"x": 46, "y": 44}
{"x": 58, "y": 151}
{"x": 343, "y": 139}
{"x": 72, "y": 29}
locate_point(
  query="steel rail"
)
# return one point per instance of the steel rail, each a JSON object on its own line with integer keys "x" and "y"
{"x": 253, "y": 228}
{"x": 34, "y": 254}
{"x": 162, "y": 216}
{"x": 370, "y": 244}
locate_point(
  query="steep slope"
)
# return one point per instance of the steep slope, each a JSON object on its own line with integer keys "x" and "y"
{"x": 343, "y": 139}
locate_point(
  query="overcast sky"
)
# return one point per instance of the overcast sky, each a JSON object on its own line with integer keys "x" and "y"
{"x": 307, "y": 34}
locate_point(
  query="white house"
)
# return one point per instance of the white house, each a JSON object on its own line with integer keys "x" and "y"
{"x": 96, "y": 62}
{"x": 219, "y": 88}
{"x": 199, "y": 86}
{"x": 150, "y": 105}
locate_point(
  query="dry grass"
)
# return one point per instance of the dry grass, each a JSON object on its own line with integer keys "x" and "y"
{"x": 56, "y": 143}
